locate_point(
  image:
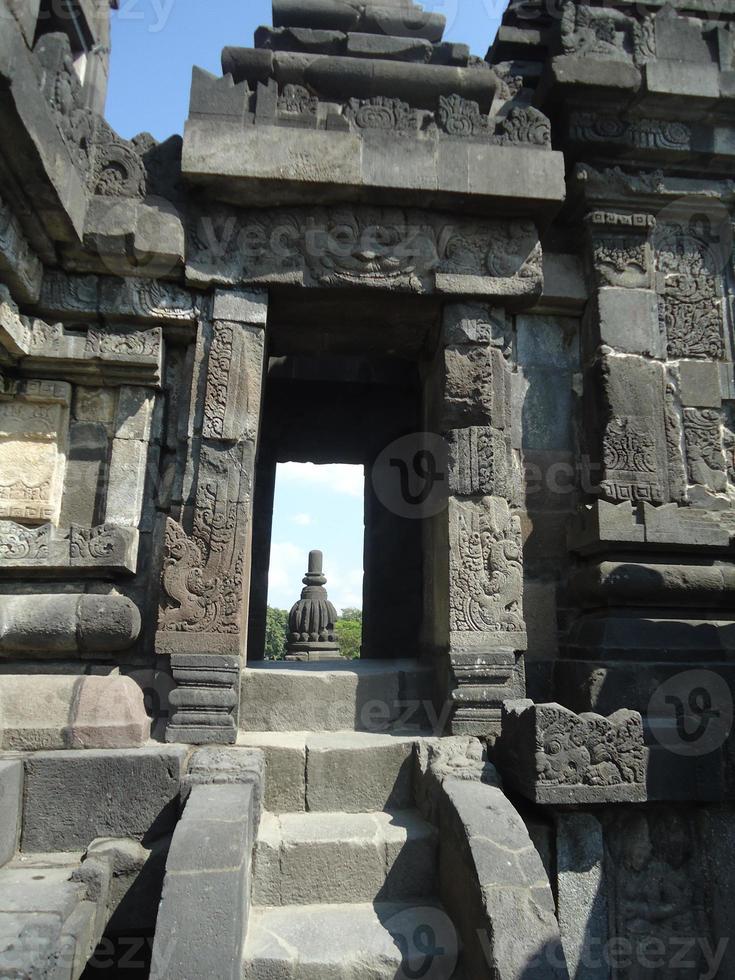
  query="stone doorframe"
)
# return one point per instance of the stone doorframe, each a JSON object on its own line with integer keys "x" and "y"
{"x": 205, "y": 565}
{"x": 475, "y": 628}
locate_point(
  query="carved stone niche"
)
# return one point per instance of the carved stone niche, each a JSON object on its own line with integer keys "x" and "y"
{"x": 34, "y": 424}
{"x": 553, "y": 756}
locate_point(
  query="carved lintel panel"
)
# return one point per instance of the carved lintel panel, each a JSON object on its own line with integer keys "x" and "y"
{"x": 104, "y": 550}
{"x": 639, "y": 134}
{"x": 379, "y": 248}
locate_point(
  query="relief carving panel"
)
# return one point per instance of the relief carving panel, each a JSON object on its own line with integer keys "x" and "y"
{"x": 486, "y": 573}
{"x": 33, "y": 444}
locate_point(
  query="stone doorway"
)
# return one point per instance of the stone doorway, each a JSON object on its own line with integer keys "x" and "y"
{"x": 329, "y": 400}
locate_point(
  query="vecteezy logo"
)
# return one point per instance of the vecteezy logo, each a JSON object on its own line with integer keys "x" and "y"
{"x": 409, "y": 476}
{"x": 692, "y": 713}
{"x": 427, "y": 941}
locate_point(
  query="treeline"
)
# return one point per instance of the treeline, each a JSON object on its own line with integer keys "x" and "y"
{"x": 348, "y": 628}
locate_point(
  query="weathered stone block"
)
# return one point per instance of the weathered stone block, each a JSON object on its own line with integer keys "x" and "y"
{"x": 699, "y": 384}
{"x": 357, "y": 773}
{"x": 73, "y": 797}
{"x": 241, "y": 306}
{"x": 627, "y": 320}
{"x": 206, "y": 894}
{"x": 134, "y": 413}
{"x": 11, "y": 805}
{"x": 285, "y": 768}
{"x": 126, "y": 482}
{"x": 303, "y": 859}
{"x": 88, "y": 447}
{"x": 546, "y": 342}
{"x": 332, "y": 696}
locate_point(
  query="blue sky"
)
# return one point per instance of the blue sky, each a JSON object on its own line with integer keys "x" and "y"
{"x": 155, "y": 43}
{"x": 317, "y": 507}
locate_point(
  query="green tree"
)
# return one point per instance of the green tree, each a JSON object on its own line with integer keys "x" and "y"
{"x": 276, "y": 633}
{"x": 349, "y": 633}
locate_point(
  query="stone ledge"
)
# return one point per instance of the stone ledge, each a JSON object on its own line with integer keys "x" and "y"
{"x": 43, "y": 712}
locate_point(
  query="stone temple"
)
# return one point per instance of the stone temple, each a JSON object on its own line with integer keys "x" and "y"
{"x": 503, "y": 287}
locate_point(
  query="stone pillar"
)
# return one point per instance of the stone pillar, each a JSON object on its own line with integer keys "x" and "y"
{"x": 486, "y": 628}
{"x": 582, "y": 895}
{"x": 205, "y": 574}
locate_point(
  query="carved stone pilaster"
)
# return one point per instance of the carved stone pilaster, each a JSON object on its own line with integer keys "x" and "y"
{"x": 486, "y": 631}
{"x": 202, "y": 621}
{"x": 205, "y": 699}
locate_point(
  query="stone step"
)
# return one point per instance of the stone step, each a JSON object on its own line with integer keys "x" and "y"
{"x": 48, "y": 925}
{"x": 349, "y": 772}
{"x": 351, "y": 695}
{"x": 380, "y": 941}
{"x": 303, "y": 858}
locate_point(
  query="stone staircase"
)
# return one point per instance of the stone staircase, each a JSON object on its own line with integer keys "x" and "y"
{"x": 345, "y": 868}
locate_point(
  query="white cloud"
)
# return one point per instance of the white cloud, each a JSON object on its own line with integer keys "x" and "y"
{"x": 287, "y": 567}
{"x": 303, "y": 520}
{"x": 337, "y": 477}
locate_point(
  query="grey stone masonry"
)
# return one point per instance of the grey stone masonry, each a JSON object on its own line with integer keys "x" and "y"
{"x": 73, "y": 797}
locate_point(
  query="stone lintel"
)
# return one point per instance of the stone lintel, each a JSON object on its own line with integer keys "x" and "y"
{"x": 257, "y": 165}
